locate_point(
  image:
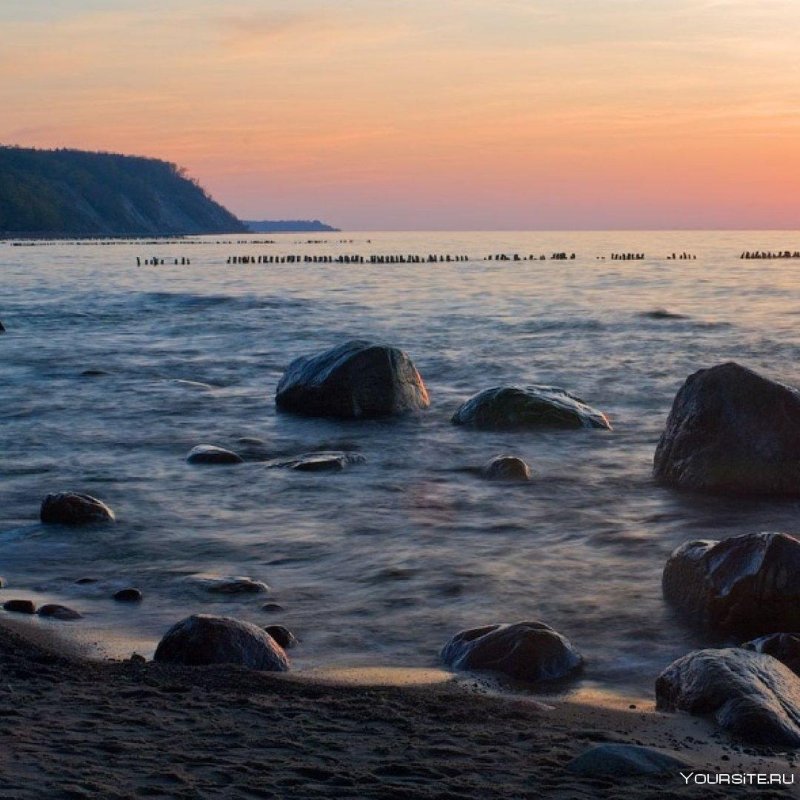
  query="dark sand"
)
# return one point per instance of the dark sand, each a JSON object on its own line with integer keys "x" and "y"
{"x": 77, "y": 728}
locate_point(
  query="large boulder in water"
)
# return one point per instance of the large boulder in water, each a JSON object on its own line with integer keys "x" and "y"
{"x": 752, "y": 696}
{"x": 747, "y": 584}
{"x": 203, "y": 639}
{"x": 732, "y": 430}
{"x": 71, "y": 508}
{"x": 526, "y": 651}
{"x": 515, "y": 408}
{"x": 356, "y": 379}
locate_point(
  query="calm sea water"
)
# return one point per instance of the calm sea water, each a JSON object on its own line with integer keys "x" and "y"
{"x": 382, "y": 563}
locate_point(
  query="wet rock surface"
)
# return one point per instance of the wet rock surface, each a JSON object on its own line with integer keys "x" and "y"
{"x": 357, "y": 379}
{"x": 210, "y": 454}
{"x": 752, "y": 696}
{"x": 748, "y": 584}
{"x": 506, "y": 468}
{"x": 731, "y": 430}
{"x": 530, "y": 407}
{"x": 204, "y": 639}
{"x": 783, "y": 646}
{"x": 323, "y": 461}
{"x": 526, "y": 651}
{"x": 72, "y": 508}
{"x": 56, "y": 611}
{"x": 20, "y": 606}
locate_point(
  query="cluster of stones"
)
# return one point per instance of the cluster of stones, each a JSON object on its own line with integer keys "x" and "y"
{"x": 730, "y": 431}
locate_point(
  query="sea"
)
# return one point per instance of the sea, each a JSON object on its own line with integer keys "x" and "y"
{"x": 380, "y": 564}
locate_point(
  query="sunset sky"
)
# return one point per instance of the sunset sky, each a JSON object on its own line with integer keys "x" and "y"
{"x": 429, "y": 114}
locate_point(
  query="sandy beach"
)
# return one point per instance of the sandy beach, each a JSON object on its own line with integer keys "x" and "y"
{"x": 77, "y": 727}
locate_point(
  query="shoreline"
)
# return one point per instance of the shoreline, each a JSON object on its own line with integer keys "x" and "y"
{"x": 80, "y": 727}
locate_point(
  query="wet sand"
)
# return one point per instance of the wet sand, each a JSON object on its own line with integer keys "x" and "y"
{"x": 74, "y": 727}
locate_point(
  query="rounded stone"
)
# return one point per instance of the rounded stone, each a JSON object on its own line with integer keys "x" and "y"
{"x": 203, "y": 639}
{"x": 72, "y": 508}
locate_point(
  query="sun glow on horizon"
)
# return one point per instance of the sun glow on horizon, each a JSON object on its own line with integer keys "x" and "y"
{"x": 469, "y": 114}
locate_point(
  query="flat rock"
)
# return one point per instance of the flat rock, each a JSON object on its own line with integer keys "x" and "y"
{"x": 783, "y": 646}
{"x": 526, "y": 651}
{"x": 358, "y": 379}
{"x": 20, "y": 606}
{"x": 626, "y": 760}
{"x": 733, "y": 431}
{"x": 230, "y": 585}
{"x": 56, "y": 611}
{"x": 747, "y": 585}
{"x": 324, "y": 461}
{"x": 204, "y": 639}
{"x": 72, "y": 508}
{"x": 210, "y": 454}
{"x": 752, "y": 696}
{"x": 506, "y": 468}
{"x": 527, "y": 408}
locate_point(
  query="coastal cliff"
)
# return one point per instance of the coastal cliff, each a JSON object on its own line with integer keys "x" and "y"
{"x": 77, "y": 193}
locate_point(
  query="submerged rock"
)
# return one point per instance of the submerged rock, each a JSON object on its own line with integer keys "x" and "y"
{"x": 93, "y": 373}
{"x": 20, "y": 606}
{"x": 130, "y": 595}
{"x": 751, "y": 695}
{"x": 56, "y": 611}
{"x": 230, "y": 585}
{"x": 783, "y": 646}
{"x": 526, "y": 651}
{"x": 71, "y": 508}
{"x": 506, "y": 468}
{"x": 531, "y": 407}
{"x": 356, "y": 379}
{"x": 327, "y": 461}
{"x": 731, "y": 430}
{"x": 209, "y": 454}
{"x": 204, "y": 639}
{"x": 748, "y": 584}
{"x": 2, "y": 328}
{"x": 626, "y": 760}
{"x": 282, "y": 635}
{"x": 662, "y": 313}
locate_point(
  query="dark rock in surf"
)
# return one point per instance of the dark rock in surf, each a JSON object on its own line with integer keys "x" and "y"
{"x": 272, "y": 608}
{"x": 230, "y": 585}
{"x": 662, "y": 313}
{"x": 526, "y": 651}
{"x": 71, "y": 508}
{"x": 282, "y": 635}
{"x": 2, "y": 328}
{"x": 130, "y": 595}
{"x": 506, "y": 468}
{"x": 332, "y": 461}
{"x": 783, "y": 646}
{"x": 209, "y": 454}
{"x": 56, "y": 611}
{"x": 204, "y": 639}
{"x": 731, "y": 430}
{"x": 626, "y": 760}
{"x": 517, "y": 408}
{"x": 20, "y": 606}
{"x": 748, "y": 585}
{"x": 93, "y": 373}
{"x": 357, "y": 379}
{"x": 751, "y": 695}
